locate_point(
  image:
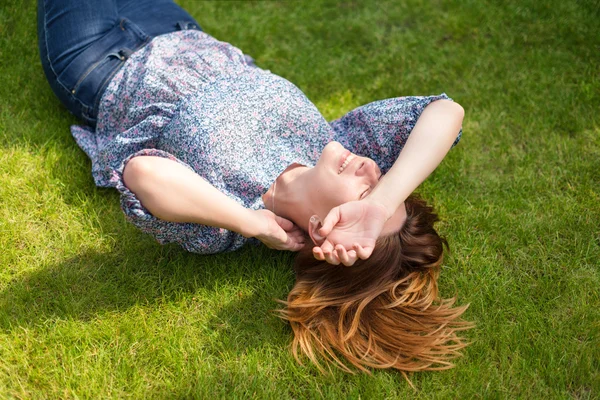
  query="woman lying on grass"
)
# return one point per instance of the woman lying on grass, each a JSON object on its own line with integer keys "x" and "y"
{"x": 210, "y": 151}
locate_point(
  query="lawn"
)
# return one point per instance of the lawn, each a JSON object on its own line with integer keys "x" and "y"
{"x": 92, "y": 308}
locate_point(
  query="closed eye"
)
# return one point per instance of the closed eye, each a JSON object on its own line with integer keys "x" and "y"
{"x": 366, "y": 192}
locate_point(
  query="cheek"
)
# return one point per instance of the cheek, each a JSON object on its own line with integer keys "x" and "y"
{"x": 338, "y": 193}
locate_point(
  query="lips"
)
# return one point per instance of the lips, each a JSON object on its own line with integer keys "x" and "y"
{"x": 346, "y": 162}
{"x": 345, "y": 154}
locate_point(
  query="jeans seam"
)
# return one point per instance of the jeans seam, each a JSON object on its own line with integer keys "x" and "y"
{"x": 62, "y": 85}
{"x": 103, "y": 87}
{"x": 86, "y": 73}
{"x": 134, "y": 31}
{"x": 48, "y": 56}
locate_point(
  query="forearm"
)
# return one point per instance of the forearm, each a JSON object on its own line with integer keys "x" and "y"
{"x": 172, "y": 192}
{"x": 426, "y": 147}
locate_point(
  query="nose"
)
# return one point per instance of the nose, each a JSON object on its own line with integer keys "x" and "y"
{"x": 369, "y": 169}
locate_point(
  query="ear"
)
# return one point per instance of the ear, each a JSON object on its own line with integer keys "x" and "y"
{"x": 314, "y": 224}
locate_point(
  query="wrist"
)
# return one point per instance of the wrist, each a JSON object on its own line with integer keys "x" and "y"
{"x": 247, "y": 224}
{"x": 388, "y": 195}
{"x": 251, "y": 224}
{"x": 383, "y": 203}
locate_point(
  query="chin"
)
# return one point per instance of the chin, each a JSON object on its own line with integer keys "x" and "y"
{"x": 331, "y": 153}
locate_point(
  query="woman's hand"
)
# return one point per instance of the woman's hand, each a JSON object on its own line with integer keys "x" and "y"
{"x": 349, "y": 232}
{"x": 276, "y": 232}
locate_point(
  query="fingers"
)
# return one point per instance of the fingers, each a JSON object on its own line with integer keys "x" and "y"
{"x": 342, "y": 254}
{"x": 279, "y": 239}
{"x": 293, "y": 242}
{"x": 297, "y": 241}
{"x": 353, "y": 257}
{"x": 327, "y": 247}
{"x": 318, "y": 253}
{"x": 332, "y": 258}
{"x": 296, "y": 233}
{"x": 337, "y": 256}
{"x": 294, "y": 246}
{"x": 285, "y": 224}
{"x": 348, "y": 258}
{"x": 330, "y": 220}
{"x": 290, "y": 243}
{"x": 362, "y": 252}
{"x": 326, "y": 253}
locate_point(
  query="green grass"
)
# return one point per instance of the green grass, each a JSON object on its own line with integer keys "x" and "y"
{"x": 92, "y": 308}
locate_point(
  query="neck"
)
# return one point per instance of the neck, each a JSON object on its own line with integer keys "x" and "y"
{"x": 287, "y": 196}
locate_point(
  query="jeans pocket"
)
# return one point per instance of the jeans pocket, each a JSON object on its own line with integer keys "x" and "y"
{"x": 87, "y": 74}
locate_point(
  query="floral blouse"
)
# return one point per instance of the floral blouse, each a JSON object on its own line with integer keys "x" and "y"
{"x": 191, "y": 98}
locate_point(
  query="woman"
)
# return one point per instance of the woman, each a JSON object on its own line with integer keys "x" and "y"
{"x": 209, "y": 151}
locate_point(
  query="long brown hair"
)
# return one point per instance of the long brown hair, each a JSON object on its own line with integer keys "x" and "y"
{"x": 383, "y": 312}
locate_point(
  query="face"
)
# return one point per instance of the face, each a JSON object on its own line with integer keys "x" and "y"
{"x": 341, "y": 176}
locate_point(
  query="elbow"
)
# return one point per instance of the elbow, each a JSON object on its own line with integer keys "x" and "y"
{"x": 452, "y": 113}
{"x": 452, "y": 109}
{"x": 136, "y": 173}
{"x": 458, "y": 114}
{"x": 448, "y": 109}
{"x": 458, "y": 111}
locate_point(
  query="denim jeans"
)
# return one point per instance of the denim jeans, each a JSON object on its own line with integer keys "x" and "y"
{"x": 83, "y": 43}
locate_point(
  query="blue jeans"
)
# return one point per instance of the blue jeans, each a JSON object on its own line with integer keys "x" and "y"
{"x": 83, "y": 43}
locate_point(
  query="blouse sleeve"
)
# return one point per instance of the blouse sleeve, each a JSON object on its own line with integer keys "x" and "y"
{"x": 380, "y": 129}
{"x": 192, "y": 237}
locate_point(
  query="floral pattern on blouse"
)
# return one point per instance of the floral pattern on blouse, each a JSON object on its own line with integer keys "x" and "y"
{"x": 201, "y": 102}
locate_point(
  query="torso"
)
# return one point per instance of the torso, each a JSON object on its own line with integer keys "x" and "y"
{"x": 196, "y": 98}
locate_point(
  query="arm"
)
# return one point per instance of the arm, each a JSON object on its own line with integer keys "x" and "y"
{"x": 426, "y": 147}
{"x": 351, "y": 230}
{"x": 173, "y": 192}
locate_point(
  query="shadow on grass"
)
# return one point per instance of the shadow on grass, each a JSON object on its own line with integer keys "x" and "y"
{"x": 92, "y": 283}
